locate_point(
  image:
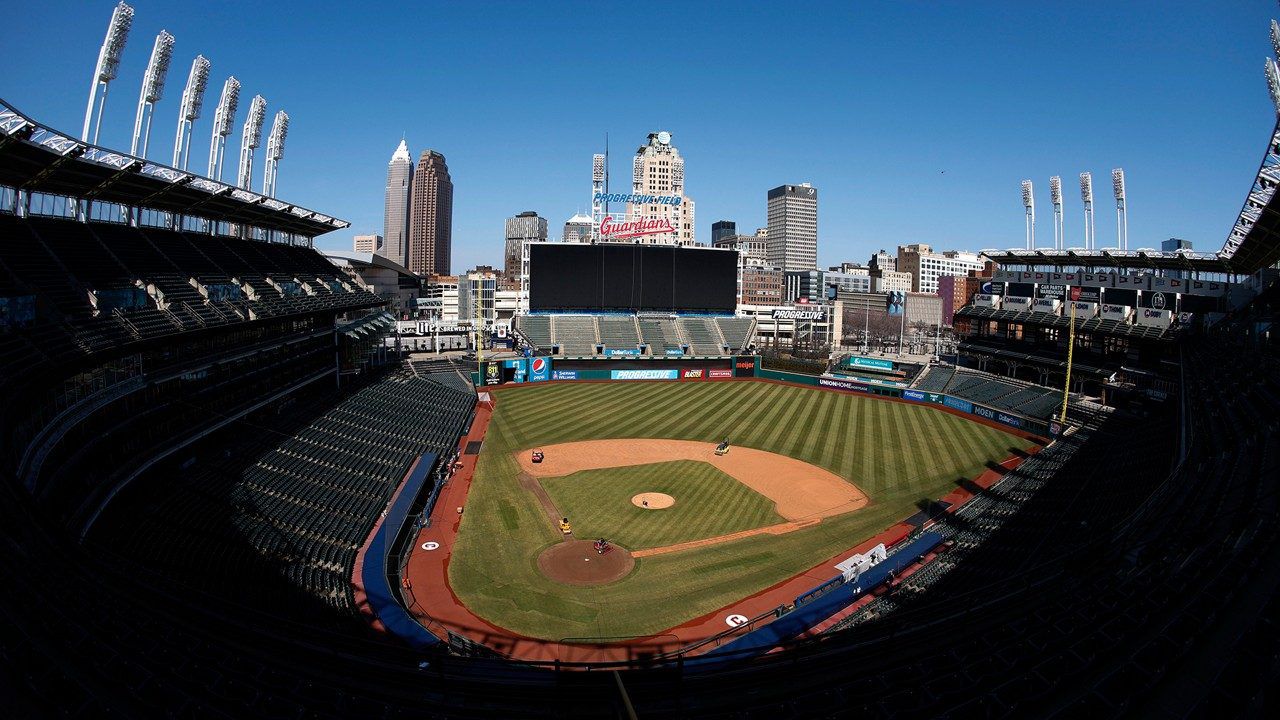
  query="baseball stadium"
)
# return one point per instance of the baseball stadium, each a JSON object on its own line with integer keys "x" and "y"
{"x": 231, "y": 485}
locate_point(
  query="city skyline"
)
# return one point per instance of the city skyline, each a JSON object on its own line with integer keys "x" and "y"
{"x": 886, "y": 129}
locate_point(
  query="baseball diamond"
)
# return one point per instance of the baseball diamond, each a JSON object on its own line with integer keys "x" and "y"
{"x": 726, "y": 537}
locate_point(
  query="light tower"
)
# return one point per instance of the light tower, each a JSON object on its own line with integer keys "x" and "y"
{"x": 1122, "y": 218}
{"x": 152, "y": 90}
{"x": 1086, "y": 196}
{"x": 1055, "y": 196}
{"x": 597, "y": 191}
{"x": 223, "y": 118}
{"x": 250, "y": 139}
{"x": 108, "y": 65}
{"x": 1029, "y": 204}
{"x": 1273, "y": 82}
{"x": 275, "y": 151}
{"x": 192, "y": 101}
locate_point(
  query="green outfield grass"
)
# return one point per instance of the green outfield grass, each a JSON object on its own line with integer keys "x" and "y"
{"x": 899, "y": 454}
{"x": 708, "y": 503}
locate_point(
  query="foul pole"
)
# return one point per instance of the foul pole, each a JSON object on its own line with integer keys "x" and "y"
{"x": 1074, "y": 294}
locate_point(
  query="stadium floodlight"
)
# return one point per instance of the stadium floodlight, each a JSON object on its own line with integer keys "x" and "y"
{"x": 250, "y": 138}
{"x": 1086, "y": 196}
{"x": 152, "y": 90}
{"x": 1122, "y": 216}
{"x": 275, "y": 151}
{"x": 108, "y": 66}
{"x": 192, "y": 102}
{"x": 1275, "y": 38}
{"x": 1273, "y": 82}
{"x": 1029, "y": 204}
{"x": 1055, "y": 196}
{"x": 223, "y": 118}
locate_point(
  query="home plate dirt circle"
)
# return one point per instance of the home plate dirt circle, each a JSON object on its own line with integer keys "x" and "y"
{"x": 576, "y": 562}
{"x": 653, "y": 501}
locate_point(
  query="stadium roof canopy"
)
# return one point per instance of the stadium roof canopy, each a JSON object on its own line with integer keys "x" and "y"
{"x": 1254, "y": 241}
{"x": 1131, "y": 259}
{"x": 36, "y": 158}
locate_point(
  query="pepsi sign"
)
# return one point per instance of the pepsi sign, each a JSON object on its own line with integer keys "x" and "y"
{"x": 539, "y": 369}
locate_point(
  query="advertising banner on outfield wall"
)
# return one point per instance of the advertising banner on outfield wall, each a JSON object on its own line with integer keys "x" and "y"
{"x": 956, "y": 403}
{"x": 842, "y": 384}
{"x": 915, "y": 395}
{"x": 644, "y": 374}
{"x": 564, "y": 374}
{"x": 539, "y": 369}
{"x": 744, "y": 366}
{"x": 716, "y": 373}
{"x": 1000, "y": 417}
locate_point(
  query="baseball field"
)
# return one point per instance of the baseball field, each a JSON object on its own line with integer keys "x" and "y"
{"x": 809, "y": 474}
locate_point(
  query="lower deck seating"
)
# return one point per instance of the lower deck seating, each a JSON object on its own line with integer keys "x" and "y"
{"x": 293, "y": 501}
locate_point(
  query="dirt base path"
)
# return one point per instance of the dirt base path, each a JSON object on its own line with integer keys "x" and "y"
{"x": 799, "y": 490}
{"x": 530, "y": 483}
{"x": 779, "y": 529}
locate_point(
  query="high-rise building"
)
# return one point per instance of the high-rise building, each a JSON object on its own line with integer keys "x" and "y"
{"x": 577, "y": 229}
{"x": 926, "y": 266}
{"x": 722, "y": 229}
{"x": 368, "y": 244}
{"x": 793, "y": 227}
{"x": 524, "y": 228}
{"x": 395, "y": 227}
{"x": 658, "y": 170}
{"x": 431, "y": 216}
{"x": 1175, "y": 244}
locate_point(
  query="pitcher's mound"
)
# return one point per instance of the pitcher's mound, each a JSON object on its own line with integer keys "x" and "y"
{"x": 576, "y": 562}
{"x": 653, "y": 501}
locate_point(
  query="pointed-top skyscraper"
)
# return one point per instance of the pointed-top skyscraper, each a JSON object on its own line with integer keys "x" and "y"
{"x": 395, "y": 229}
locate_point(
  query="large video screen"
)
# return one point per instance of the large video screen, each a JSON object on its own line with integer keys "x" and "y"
{"x": 615, "y": 277}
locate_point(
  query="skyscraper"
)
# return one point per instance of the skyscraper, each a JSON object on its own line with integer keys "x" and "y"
{"x": 395, "y": 226}
{"x": 523, "y": 228}
{"x": 793, "y": 227}
{"x": 658, "y": 170}
{"x": 722, "y": 229}
{"x": 431, "y": 216}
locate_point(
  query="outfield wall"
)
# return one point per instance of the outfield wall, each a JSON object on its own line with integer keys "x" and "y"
{"x": 543, "y": 369}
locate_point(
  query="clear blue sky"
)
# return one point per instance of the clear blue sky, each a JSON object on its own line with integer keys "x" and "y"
{"x": 917, "y": 121}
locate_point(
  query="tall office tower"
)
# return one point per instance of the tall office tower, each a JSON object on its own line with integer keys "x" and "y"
{"x": 658, "y": 170}
{"x": 577, "y": 229}
{"x": 431, "y": 216}
{"x": 523, "y": 228}
{"x": 395, "y": 218}
{"x": 369, "y": 244}
{"x": 793, "y": 227}
{"x": 722, "y": 229}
